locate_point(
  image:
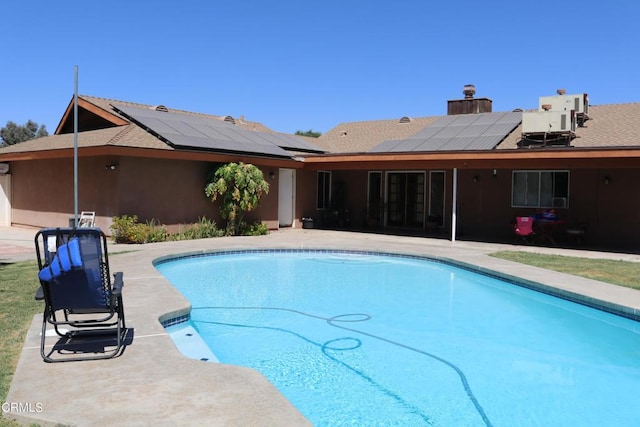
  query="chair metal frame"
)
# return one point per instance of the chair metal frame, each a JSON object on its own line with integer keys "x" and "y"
{"x": 83, "y": 305}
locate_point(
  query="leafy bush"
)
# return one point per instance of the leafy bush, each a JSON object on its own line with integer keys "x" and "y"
{"x": 127, "y": 229}
{"x": 202, "y": 229}
{"x": 255, "y": 229}
{"x": 154, "y": 233}
{"x": 240, "y": 187}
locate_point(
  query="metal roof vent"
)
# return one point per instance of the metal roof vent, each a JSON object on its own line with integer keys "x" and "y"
{"x": 469, "y": 91}
{"x": 404, "y": 119}
{"x": 161, "y": 108}
{"x": 230, "y": 119}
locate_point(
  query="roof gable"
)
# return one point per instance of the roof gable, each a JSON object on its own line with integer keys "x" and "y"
{"x": 90, "y": 117}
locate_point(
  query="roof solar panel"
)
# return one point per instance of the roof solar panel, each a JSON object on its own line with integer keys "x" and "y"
{"x": 193, "y": 131}
{"x": 386, "y": 146}
{"x": 482, "y": 131}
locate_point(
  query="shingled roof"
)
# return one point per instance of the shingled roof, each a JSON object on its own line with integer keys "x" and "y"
{"x": 104, "y": 125}
{"x": 123, "y": 136}
{"x": 359, "y": 137}
{"x": 107, "y": 105}
{"x": 613, "y": 125}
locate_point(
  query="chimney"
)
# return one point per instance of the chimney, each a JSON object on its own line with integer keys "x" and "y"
{"x": 468, "y": 105}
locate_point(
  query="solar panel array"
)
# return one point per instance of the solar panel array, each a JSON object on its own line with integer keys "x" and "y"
{"x": 482, "y": 131}
{"x": 191, "y": 131}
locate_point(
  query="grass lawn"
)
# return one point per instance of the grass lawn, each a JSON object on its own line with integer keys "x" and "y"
{"x": 621, "y": 273}
{"x": 18, "y": 284}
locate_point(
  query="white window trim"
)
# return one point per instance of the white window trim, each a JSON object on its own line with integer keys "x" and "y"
{"x": 539, "y": 172}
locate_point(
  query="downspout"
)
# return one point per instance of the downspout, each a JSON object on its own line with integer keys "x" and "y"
{"x": 454, "y": 203}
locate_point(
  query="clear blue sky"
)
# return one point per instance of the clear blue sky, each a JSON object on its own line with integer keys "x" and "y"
{"x": 299, "y": 65}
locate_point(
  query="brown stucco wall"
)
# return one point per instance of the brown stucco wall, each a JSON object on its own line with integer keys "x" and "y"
{"x": 610, "y": 211}
{"x": 43, "y": 191}
{"x": 170, "y": 192}
{"x": 306, "y": 187}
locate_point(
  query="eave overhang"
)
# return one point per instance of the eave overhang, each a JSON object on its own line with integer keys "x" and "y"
{"x": 110, "y": 150}
{"x": 569, "y": 158}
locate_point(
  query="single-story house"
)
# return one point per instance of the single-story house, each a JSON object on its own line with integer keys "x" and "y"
{"x": 465, "y": 175}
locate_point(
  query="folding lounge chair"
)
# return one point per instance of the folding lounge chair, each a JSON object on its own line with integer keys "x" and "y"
{"x": 81, "y": 303}
{"x": 87, "y": 219}
{"x": 524, "y": 228}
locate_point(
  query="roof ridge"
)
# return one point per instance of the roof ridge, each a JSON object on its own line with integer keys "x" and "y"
{"x": 612, "y": 105}
{"x": 252, "y": 124}
{"x": 118, "y": 136}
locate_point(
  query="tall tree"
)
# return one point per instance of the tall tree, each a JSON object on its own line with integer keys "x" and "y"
{"x": 13, "y": 133}
{"x": 310, "y": 133}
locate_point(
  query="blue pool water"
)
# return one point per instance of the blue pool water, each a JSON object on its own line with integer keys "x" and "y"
{"x": 365, "y": 339}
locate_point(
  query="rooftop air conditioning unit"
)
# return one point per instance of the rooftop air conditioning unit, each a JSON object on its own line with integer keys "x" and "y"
{"x": 578, "y": 103}
{"x": 548, "y": 122}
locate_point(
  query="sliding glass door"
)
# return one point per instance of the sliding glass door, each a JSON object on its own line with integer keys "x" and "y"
{"x": 405, "y": 199}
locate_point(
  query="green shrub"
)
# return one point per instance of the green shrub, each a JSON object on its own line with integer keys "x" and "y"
{"x": 154, "y": 233}
{"x": 202, "y": 229}
{"x": 127, "y": 229}
{"x": 240, "y": 187}
{"x": 255, "y": 229}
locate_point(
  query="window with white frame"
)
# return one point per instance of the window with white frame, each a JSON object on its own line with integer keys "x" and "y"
{"x": 324, "y": 190}
{"x": 540, "y": 189}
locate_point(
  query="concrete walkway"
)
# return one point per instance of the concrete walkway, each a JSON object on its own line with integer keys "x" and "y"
{"x": 153, "y": 383}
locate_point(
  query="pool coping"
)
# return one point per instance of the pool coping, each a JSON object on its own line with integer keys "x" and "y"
{"x": 149, "y": 382}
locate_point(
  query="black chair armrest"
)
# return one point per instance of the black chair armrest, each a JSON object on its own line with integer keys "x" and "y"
{"x": 118, "y": 283}
{"x": 40, "y": 294}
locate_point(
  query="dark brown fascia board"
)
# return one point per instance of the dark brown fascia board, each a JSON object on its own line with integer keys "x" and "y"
{"x": 502, "y": 159}
{"x": 83, "y": 103}
{"x": 107, "y": 150}
{"x": 506, "y": 159}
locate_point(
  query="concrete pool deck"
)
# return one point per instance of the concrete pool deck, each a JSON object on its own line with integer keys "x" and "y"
{"x": 153, "y": 383}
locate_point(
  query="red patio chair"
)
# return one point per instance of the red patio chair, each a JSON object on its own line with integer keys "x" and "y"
{"x": 524, "y": 228}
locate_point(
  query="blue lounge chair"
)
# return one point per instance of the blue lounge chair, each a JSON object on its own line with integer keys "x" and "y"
{"x": 81, "y": 302}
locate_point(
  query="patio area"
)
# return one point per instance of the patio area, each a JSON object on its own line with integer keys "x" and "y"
{"x": 153, "y": 383}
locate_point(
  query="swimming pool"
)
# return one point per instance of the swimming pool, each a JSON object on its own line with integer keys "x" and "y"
{"x": 372, "y": 339}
